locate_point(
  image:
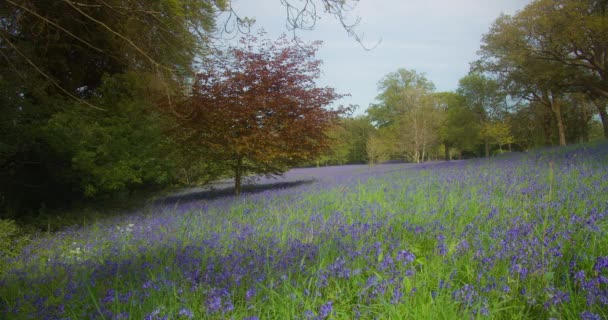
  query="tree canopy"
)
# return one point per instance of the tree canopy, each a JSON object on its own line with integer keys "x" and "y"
{"x": 89, "y": 92}
{"x": 550, "y": 50}
{"x": 258, "y": 108}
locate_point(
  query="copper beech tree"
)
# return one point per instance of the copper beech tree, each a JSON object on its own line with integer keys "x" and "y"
{"x": 257, "y": 108}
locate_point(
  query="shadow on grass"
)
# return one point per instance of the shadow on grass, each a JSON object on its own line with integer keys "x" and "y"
{"x": 211, "y": 193}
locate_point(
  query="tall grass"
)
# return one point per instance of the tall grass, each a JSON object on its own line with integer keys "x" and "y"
{"x": 518, "y": 237}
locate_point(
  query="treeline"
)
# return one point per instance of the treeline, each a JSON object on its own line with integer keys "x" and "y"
{"x": 84, "y": 96}
{"x": 541, "y": 79}
{"x": 100, "y": 99}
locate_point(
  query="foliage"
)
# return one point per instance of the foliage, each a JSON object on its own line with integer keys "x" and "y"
{"x": 408, "y": 114}
{"x": 66, "y": 131}
{"x": 392, "y": 89}
{"x": 258, "y": 110}
{"x": 460, "y": 128}
{"x": 120, "y": 148}
{"x": 485, "y": 98}
{"x": 13, "y": 239}
{"x": 548, "y": 50}
{"x": 348, "y": 141}
{"x": 572, "y": 34}
{"x": 9, "y": 230}
{"x": 498, "y": 133}
{"x": 377, "y": 148}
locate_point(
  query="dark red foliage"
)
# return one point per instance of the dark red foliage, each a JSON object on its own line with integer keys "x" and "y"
{"x": 258, "y": 106}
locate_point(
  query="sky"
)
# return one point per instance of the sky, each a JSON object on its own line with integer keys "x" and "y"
{"x": 436, "y": 37}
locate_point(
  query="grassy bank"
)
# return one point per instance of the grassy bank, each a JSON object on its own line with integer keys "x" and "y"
{"x": 522, "y": 236}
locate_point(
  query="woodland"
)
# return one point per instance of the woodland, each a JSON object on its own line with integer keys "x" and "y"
{"x": 107, "y": 99}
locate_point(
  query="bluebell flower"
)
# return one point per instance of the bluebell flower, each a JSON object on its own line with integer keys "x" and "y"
{"x": 325, "y": 310}
{"x": 184, "y": 312}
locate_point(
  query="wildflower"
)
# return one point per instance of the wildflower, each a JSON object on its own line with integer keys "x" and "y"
{"x": 405, "y": 256}
{"x": 183, "y": 312}
{"x": 228, "y": 306}
{"x": 249, "y": 294}
{"x": 339, "y": 269}
{"x": 467, "y": 295}
{"x": 484, "y": 311}
{"x": 155, "y": 315}
{"x": 325, "y": 310}
{"x": 397, "y": 295}
{"x": 586, "y": 315}
{"x": 214, "y": 303}
{"x": 600, "y": 264}
{"x": 309, "y": 315}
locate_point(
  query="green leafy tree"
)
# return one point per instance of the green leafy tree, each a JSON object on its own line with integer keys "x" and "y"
{"x": 484, "y": 98}
{"x": 56, "y": 61}
{"x": 121, "y": 148}
{"x": 498, "y": 133}
{"x": 551, "y": 49}
{"x": 460, "y": 128}
{"x": 377, "y": 148}
{"x": 574, "y": 35}
{"x": 408, "y": 111}
{"x": 339, "y": 146}
{"x": 348, "y": 140}
{"x": 358, "y": 130}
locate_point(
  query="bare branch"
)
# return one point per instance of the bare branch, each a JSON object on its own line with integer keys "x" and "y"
{"x": 304, "y": 16}
{"x": 120, "y": 35}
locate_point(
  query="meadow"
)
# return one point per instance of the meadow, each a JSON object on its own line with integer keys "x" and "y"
{"x": 520, "y": 236}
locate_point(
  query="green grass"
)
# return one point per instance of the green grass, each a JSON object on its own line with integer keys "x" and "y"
{"x": 499, "y": 239}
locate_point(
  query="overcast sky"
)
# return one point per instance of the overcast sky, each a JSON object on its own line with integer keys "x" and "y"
{"x": 436, "y": 37}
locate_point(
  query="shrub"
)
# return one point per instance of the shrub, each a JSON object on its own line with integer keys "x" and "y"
{"x": 12, "y": 240}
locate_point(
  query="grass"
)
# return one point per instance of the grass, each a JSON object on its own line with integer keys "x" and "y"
{"x": 517, "y": 237}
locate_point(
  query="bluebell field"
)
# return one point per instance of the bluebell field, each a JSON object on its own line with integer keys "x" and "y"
{"x": 521, "y": 236}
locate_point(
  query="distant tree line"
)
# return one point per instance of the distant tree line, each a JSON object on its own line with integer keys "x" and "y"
{"x": 541, "y": 80}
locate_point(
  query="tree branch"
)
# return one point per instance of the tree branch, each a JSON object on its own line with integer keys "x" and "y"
{"x": 46, "y": 75}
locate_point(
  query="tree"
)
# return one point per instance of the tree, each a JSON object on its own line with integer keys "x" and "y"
{"x": 460, "y": 128}
{"x": 258, "y": 109}
{"x": 358, "y": 130}
{"x": 58, "y": 60}
{"x": 574, "y": 34}
{"x": 562, "y": 47}
{"x": 392, "y": 88}
{"x": 377, "y": 149}
{"x": 498, "y": 133}
{"x": 483, "y": 97}
{"x": 348, "y": 141}
{"x": 531, "y": 125}
{"x": 407, "y": 111}
{"x": 419, "y": 125}
{"x": 339, "y": 146}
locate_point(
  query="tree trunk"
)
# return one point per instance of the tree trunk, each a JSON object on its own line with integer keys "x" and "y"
{"x": 604, "y": 117}
{"x": 557, "y": 110}
{"x": 423, "y": 152}
{"x": 447, "y": 152}
{"x": 548, "y": 128}
{"x": 487, "y": 147}
{"x": 238, "y": 176}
